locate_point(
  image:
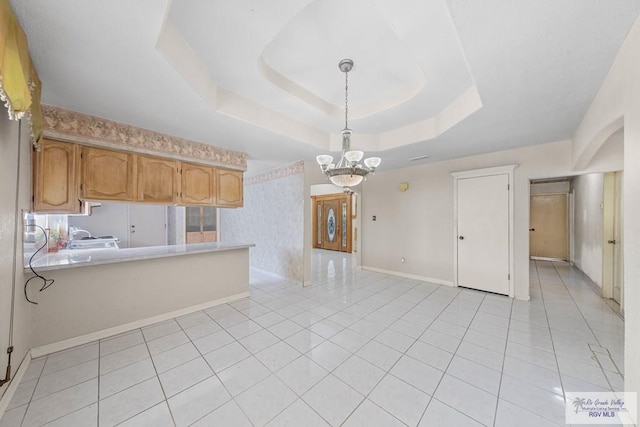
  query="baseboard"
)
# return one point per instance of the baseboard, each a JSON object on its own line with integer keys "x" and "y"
{"x": 408, "y": 276}
{"x": 597, "y": 289}
{"x": 14, "y": 383}
{"x": 541, "y": 258}
{"x": 105, "y": 333}
{"x": 276, "y": 275}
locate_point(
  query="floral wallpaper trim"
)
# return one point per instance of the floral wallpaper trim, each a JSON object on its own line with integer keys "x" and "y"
{"x": 79, "y": 127}
{"x": 296, "y": 168}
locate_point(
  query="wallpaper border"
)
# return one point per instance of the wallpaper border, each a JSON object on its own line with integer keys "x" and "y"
{"x": 295, "y": 168}
{"x": 73, "y": 126}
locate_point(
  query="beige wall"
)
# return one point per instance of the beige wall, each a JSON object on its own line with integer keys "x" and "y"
{"x": 616, "y": 104}
{"x": 588, "y": 199}
{"x": 89, "y": 299}
{"x": 8, "y": 173}
{"x": 418, "y": 224}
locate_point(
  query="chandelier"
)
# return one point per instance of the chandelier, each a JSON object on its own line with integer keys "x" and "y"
{"x": 347, "y": 172}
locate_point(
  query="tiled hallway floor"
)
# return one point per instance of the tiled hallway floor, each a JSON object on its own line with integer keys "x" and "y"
{"x": 356, "y": 349}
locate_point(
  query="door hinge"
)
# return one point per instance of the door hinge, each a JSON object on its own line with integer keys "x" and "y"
{"x": 508, "y": 187}
{"x": 509, "y": 276}
{"x": 80, "y": 187}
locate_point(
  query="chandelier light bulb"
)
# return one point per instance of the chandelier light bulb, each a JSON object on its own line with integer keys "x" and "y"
{"x": 324, "y": 159}
{"x": 372, "y": 162}
{"x": 354, "y": 156}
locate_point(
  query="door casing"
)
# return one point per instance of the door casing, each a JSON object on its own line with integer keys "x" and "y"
{"x": 509, "y": 171}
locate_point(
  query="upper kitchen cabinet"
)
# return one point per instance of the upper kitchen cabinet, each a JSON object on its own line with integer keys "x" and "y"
{"x": 55, "y": 178}
{"x": 158, "y": 180}
{"x": 198, "y": 185}
{"x": 107, "y": 175}
{"x": 229, "y": 189}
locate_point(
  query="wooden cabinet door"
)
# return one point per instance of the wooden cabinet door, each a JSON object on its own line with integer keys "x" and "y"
{"x": 56, "y": 178}
{"x": 229, "y": 188}
{"x": 194, "y": 237}
{"x": 209, "y": 236}
{"x": 157, "y": 180}
{"x": 197, "y": 184}
{"x": 107, "y": 175}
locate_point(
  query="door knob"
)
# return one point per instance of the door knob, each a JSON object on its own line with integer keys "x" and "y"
{"x": 611, "y": 242}
{"x": 461, "y": 237}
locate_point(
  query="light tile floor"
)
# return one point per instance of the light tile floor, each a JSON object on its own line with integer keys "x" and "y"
{"x": 355, "y": 349}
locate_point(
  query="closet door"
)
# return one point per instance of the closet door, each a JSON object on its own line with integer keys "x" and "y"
{"x": 483, "y": 233}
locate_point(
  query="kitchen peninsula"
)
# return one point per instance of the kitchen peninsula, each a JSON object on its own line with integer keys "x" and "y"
{"x": 99, "y": 293}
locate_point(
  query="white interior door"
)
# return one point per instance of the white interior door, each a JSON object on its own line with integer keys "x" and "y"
{"x": 617, "y": 247}
{"x": 147, "y": 225}
{"x": 483, "y": 233}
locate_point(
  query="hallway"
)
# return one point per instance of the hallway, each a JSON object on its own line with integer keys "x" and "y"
{"x": 355, "y": 348}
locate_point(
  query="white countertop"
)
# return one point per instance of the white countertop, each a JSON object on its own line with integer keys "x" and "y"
{"x": 87, "y": 257}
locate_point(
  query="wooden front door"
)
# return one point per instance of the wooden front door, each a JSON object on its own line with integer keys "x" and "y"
{"x": 332, "y": 222}
{"x": 549, "y": 232}
{"x": 331, "y": 225}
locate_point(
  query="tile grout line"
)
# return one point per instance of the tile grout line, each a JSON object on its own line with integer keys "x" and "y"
{"x": 388, "y": 372}
{"x": 553, "y": 346}
{"x": 504, "y": 359}
{"x": 590, "y": 329}
{"x": 155, "y": 368}
{"x": 24, "y": 416}
{"x": 454, "y": 354}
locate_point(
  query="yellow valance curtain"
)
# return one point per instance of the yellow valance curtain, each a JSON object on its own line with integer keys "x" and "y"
{"x": 19, "y": 83}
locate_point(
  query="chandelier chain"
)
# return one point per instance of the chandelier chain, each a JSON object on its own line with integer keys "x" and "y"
{"x": 346, "y": 99}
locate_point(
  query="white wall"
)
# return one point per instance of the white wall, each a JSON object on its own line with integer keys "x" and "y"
{"x": 588, "y": 199}
{"x": 110, "y": 219}
{"x": 273, "y": 218}
{"x": 8, "y": 173}
{"x": 176, "y": 225}
{"x": 418, "y": 224}
{"x": 617, "y": 104}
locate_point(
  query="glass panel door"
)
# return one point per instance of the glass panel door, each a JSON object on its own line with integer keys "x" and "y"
{"x": 209, "y": 219}
{"x": 344, "y": 225}
{"x": 193, "y": 219}
{"x": 319, "y": 224}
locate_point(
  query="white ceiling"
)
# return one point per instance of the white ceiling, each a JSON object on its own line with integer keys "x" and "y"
{"x": 445, "y": 78}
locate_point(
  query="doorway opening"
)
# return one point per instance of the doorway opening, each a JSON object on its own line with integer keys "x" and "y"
{"x": 549, "y": 219}
{"x": 335, "y": 234}
{"x": 578, "y": 220}
{"x": 332, "y": 222}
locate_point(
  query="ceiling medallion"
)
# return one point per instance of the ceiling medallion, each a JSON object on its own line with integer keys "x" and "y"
{"x": 347, "y": 172}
